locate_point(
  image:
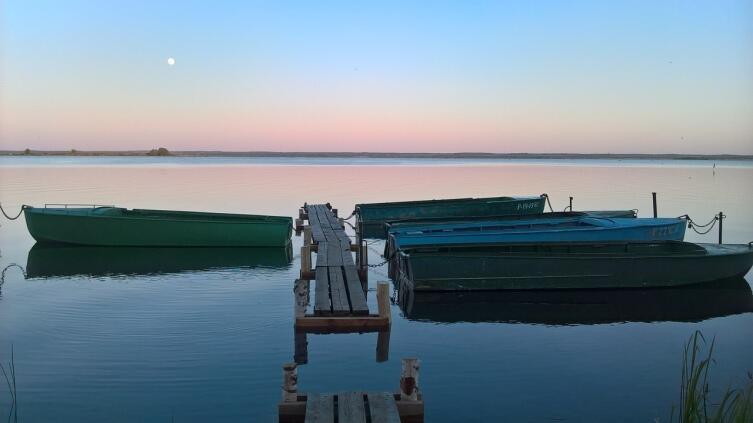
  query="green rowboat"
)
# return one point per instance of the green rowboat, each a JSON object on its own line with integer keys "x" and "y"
{"x": 571, "y": 265}
{"x": 371, "y": 217}
{"x": 119, "y": 227}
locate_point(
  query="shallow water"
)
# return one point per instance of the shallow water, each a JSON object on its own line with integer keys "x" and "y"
{"x": 202, "y": 337}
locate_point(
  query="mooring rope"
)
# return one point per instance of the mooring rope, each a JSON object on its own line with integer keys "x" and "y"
{"x": 11, "y": 218}
{"x": 706, "y": 228}
{"x": 549, "y": 203}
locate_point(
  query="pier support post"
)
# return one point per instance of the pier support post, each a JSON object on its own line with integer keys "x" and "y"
{"x": 289, "y": 382}
{"x": 653, "y": 195}
{"x": 301, "y": 292}
{"x": 306, "y": 262}
{"x": 307, "y": 240}
{"x": 383, "y": 300}
{"x": 409, "y": 379}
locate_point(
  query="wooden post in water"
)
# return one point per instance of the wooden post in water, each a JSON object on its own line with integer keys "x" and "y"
{"x": 301, "y": 292}
{"x": 306, "y": 262}
{"x": 289, "y": 382}
{"x": 307, "y": 235}
{"x": 653, "y": 194}
{"x": 721, "y": 218}
{"x": 571, "y": 204}
{"x": 409, "y": 379}
{"x": 383, "y": 300}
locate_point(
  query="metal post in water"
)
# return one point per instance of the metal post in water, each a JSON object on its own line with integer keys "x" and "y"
{"x": 721, "y": 218}
{"x": 653, "y": 194}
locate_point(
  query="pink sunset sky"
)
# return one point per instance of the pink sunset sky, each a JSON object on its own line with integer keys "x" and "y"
{"x": 586, "y": 77}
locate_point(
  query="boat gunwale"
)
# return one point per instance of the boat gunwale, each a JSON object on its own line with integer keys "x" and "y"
{"x": 240, "y": 219}
{"x": 576, "y": 224}
{"x": 396, "y": 204}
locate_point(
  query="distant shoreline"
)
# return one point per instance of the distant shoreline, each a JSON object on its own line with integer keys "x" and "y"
{"x": 306, "y": 154}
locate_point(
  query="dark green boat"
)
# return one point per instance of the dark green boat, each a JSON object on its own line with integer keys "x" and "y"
{"x": 371, "y": 217}
{"x": 119, "y": 227}
{"x": 571, "y": 265}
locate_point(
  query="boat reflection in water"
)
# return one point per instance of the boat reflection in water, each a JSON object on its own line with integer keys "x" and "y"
{"x": 53, "y": 260}
{"x": 575, "y": 307}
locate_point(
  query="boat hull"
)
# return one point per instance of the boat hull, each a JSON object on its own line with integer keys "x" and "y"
{"x": 155, "y": 228}
{"x": 372, "y": 217}
{"x": 604, "y": 266}
{"x": 541, "y": 231}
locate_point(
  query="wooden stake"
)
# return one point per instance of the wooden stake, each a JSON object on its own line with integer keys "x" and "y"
{"x": 305, "y": 262}
{"x": 301, "y": 292}
{"x": 289, "y": 382}
{"x": 307, "y": 235}
{"x": 383, "y": 300}
{"x": 409, "y": 379}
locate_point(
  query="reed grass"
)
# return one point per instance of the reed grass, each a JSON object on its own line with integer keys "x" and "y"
{"x": 735, "y": 406}
{"x": 10, "y": 380}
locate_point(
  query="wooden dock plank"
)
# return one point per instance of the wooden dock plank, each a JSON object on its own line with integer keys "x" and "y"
{"x": 334, "y": 254}
{"x": 355, "y": 290}
{"x": 320, "y": 409}
{"x": 321, "y": 297}
{"x": 383, "y": 408}
{"x": 351, "y": 407}
{"x": 340, "y": 305}
{"x": 322, "y": 254}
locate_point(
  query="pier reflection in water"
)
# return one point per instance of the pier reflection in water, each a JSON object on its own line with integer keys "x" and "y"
{"x": 55, "y": 260}
{"x": 582, "y": 307}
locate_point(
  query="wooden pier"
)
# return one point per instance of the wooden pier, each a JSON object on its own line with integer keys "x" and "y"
{"x": 340, "y": 288}
{"x": 406, "y": 406}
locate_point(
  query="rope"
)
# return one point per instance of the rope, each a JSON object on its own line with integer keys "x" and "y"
{"x": 549, "y": 203}
{"x": 705, "y": 228}
{"x": 12, "y": 218}
{"x": 351, "y": 215}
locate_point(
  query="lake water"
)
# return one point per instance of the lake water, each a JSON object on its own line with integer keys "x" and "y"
{"x": 162, "y": 337}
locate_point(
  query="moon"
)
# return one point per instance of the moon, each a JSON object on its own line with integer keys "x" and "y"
{"x": 170, "y": 61}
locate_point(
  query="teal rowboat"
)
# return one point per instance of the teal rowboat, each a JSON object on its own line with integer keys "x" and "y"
{"x": 371, "y": 217}
{"x": 571, "y": 266}
{"x": 119, "y": 227}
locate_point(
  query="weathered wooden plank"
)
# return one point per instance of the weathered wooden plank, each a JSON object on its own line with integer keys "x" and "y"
{"x": 334, "y": 256}
{"x": 382, "y": 407}
{"x": 339, "y": 295}
{"x": 322, "y": 254}
{"x": 321, "y": 300}
{"x": 320, "y": 408}
{"x": 355, "y": 291}
{"x": 347, "y": 258}
{"x": 351, "y": 408}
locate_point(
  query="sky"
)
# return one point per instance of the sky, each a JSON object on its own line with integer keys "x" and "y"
{"x": 382, "y": 76}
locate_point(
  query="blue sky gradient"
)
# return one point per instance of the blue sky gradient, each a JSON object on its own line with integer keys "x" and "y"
{"x": 542, "y": 76}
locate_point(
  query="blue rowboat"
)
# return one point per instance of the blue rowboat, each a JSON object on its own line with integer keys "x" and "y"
{"x": 539, "y": 230}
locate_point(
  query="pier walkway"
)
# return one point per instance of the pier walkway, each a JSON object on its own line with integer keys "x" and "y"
{"x": 340, "y": 291}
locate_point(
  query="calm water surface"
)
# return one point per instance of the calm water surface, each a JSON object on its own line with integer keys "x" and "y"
{"x": 201, "y": 336}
